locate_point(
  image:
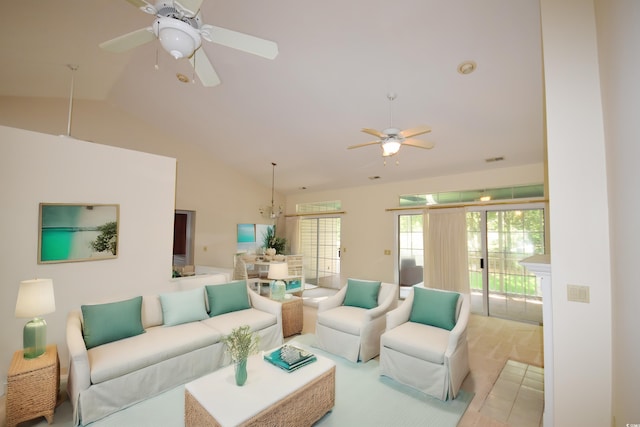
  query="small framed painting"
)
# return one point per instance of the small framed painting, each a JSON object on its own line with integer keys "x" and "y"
{"x": 77, "y": 232}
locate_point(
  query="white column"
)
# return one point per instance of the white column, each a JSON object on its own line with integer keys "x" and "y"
{"x": 540, "y": 265}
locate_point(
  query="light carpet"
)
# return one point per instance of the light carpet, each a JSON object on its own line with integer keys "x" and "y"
{"x": 363, "y": 398}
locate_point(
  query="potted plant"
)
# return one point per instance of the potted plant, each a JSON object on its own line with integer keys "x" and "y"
{"x": 240, "y": 344}
{"x": 271, "y": 241}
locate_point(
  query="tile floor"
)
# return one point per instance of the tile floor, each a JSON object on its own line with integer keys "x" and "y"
{"x": 517, "y": 397}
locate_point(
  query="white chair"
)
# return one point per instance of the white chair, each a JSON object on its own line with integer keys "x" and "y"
{"x": 426, "y": 357}
{"x": 350, "y": 331}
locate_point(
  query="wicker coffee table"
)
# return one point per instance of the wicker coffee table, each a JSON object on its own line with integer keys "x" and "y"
{"x": 270, "y": 396}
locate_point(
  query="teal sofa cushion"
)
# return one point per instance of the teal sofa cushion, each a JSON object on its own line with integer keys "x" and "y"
{"x": 434, "y": 307}
{"x": 104, "y": 323}
{"x": 183, "y": 307}
{"x": 227, "y": 297}
{"x": 362, "y": 293}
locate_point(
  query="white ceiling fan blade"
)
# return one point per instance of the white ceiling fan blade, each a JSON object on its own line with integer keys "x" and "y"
{"x": 410, "y": 133}
{"x": 419, "y": 144}
{"x": 205, "y": 71}
{"x": 189, "y": 8}
{"x": 244, "y": 42}
{"x": 363, "y": 144}
{"x": 129, "y": 41}
{"x": 144, "y": 6}
{"x": 374, "y": 133}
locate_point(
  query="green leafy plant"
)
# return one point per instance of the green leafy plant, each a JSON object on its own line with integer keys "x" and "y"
{"x": 241, "y": 343}
{"x": 270, "y": 240}
{"x": 107, "y": 239}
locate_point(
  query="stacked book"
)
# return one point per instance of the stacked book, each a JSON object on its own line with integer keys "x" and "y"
{"x": 289, "y": 357}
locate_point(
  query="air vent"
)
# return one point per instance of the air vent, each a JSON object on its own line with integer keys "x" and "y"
{"x": 494, "y": 159}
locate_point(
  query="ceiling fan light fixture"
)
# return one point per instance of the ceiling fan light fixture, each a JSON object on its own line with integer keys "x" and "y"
{"x": 390, "y": 147}
{"x": 467, "y": 67}
{"x": 176, "y": 37}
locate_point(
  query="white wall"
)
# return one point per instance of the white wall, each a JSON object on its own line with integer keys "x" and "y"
{"x": 618, "y": 47}
{"x": 37, "y": 168}
{"x": 221, "y": 196}
{"x": 368, "y": 229}
{"x": 578, "y": 215}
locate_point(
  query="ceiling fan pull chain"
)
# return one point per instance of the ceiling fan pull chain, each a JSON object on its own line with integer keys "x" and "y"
{"x": 157, "y": 67}
{"x": 193, "y": 72}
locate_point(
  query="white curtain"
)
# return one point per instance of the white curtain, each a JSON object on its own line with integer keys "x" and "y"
{"x": 292, "y": 234}
{"x": 446, "y": 255}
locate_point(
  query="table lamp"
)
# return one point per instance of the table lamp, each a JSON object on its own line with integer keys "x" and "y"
{"x": 277, "y": 272}
{"x": 35, "y": 298}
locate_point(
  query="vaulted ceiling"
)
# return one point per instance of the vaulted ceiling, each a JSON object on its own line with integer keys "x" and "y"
{"x": 337, "y": 62}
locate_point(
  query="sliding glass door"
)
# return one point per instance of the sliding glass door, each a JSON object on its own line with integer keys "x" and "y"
{"x": 320, "y": 247}
{"x": 498, "y": 239}
{"x": 410, "y": 228}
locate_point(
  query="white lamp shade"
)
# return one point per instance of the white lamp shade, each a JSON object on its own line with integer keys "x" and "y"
{"x": 278, "y": 271}
{"x": 35, "y": 298}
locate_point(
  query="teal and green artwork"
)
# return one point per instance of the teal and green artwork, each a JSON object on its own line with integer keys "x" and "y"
{"x": 77, "y": 232}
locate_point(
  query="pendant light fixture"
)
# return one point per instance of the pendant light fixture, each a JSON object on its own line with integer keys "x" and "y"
{"x": 271, "y": 211}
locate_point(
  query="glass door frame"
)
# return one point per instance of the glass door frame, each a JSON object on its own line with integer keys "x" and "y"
{"x": 396, "y": 246}
{"x": 483, "y": 233}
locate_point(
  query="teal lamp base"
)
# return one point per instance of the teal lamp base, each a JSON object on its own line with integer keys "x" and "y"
{"x": 278, "y": 288}
{"x": 34, "y": 338}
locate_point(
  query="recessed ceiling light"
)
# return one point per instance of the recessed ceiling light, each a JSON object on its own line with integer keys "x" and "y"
{"x": 467, "y": 67}
{"x": 182, "y": 78}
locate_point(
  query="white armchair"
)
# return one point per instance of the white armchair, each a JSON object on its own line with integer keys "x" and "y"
{"x": 428, "y": 358}
{"x": 350, "y": 331}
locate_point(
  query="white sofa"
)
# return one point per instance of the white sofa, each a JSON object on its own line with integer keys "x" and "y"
{"x": 112, "y": 376}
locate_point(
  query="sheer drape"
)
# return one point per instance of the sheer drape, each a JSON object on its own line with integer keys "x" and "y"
{"x": 292, "y": 232}
{"x": 446, "y": 257}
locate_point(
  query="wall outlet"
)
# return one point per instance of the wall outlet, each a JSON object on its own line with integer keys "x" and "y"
{"x": 387, "y": 252}
{"x": 578, "y": 293}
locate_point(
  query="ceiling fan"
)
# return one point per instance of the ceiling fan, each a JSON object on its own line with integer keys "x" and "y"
{"x": 391, "y": 139}
{"x": 178, "y": 25}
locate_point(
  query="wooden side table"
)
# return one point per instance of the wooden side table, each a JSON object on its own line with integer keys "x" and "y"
{"x": 291, "y": 316}
{"x": 32, "y": 386}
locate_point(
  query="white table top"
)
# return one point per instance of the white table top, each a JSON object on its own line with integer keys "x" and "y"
{"x": 266, "y": 384}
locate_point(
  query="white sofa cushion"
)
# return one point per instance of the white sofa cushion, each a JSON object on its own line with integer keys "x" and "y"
{"x": 343, "y": 318}
{"x": 158, "y": 343}
{"x": 431, "y": 346}
{"x": 256, "y": 319}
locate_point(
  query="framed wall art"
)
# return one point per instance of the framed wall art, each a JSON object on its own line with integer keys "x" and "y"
{"x": 77, "y": 232}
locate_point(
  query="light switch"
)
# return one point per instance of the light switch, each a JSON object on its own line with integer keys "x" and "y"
{"x": 578, "y": 293}
{"x": 387, "y": 252}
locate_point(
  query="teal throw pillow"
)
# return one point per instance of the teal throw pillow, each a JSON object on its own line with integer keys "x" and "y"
{"x": 362, "y": 293}
{"x": 434, "y": 308}
{"x": 183, "y": 307}
{"x": 104, "y": 323}
{"x": 227, "y": 297}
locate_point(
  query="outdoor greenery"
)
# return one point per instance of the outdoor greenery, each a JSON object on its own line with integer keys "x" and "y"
{"x": 107, "y": 239}
{"x": 511, "y": 236}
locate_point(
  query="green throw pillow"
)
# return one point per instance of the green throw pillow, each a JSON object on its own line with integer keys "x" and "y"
{"x": 227, "y": 297}
{"x": 183, "y": 307}
{"x": 435, "y": 308}
{"x": 362, "y": 293}
{"x": 104, "y": 323}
